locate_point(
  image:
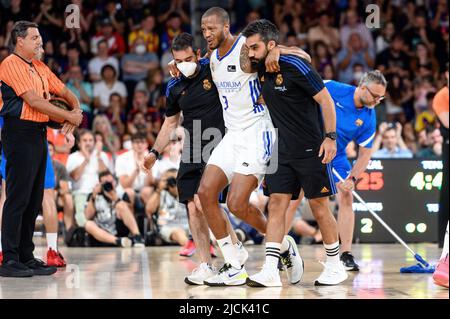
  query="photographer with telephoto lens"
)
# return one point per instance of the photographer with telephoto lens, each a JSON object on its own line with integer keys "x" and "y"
{"x": 109, "y": 218}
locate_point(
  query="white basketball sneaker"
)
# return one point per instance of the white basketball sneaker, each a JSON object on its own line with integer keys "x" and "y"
{"x": 228, "y": 276}
{"x": 200, "y": 274}
{"x": 292, "y": 262}
{"x": 267, "y": 277}
{"x": 242, "y": 253}
{"x": 333, "y": 274}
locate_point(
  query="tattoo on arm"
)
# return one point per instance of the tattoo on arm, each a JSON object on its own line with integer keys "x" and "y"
{"x": 246, "y": 65}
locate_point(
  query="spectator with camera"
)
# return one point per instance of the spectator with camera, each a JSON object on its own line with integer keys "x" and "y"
{"x": 84, "y": 167}
{"x": 172, "y": 217}
{"x": 109, "y": 218}
{"x": 390, "y": 136}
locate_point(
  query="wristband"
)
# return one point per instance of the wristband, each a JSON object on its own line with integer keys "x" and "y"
{"x": 155, "y": 152}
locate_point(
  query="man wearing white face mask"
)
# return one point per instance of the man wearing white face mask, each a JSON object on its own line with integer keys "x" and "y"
{"x": 195, "y": 94}
{"x": 135, "y": 65}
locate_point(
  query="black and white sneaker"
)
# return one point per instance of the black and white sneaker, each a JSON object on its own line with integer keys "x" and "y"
{"x": 349, "y": 261}
{"x": 138, "y": 241}
{"x": 292, "y": 262}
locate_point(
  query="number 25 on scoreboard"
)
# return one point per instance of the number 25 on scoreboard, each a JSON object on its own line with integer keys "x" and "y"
{"x": 372, "y": 181}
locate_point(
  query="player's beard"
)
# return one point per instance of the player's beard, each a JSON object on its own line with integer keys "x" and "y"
{"x": 259, "y": 63}
{"x": 256, "y": 64}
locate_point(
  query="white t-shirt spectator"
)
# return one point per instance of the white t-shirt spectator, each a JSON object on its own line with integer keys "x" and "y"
{"x": 126, "y": 165}
{"x": 163, "y": 165}
{"x": 397, "y": 153}
{"x": 96, "y": 64}
{"x": 89, "y": 178}
{"x": 103, "y": 91}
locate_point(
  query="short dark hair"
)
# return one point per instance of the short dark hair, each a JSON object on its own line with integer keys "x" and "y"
{"x": 218, "y": 12}
{"x": 139, "y": 136}
{"x": 182, "y": 42}
{"x": 114, "y": 94}
{"x": 110, "y": 66}
{"x": 104, "y": 173}
{"x": 83, "y": 132}
{"x": 20, "y": 29}
{"x": 172, "y": 170}
{"x": 173, "y": 15}
{"x": 430, "y": 96}
{"x": 266, "y": 29}
{"x": 73, "y": 46}
{"x": 102, "y": 41}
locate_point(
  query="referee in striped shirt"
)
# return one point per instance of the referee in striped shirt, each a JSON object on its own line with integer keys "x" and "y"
{"x": 25, "y": 87}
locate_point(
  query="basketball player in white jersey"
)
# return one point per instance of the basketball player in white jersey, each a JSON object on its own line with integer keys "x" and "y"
{"x": 241, "y": 158}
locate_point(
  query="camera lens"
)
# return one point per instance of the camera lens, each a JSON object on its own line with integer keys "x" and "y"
{"x": 107, "y": 187}
{"x": 172, "y": 181}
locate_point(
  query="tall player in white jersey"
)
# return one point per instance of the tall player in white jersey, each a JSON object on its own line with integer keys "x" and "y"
{"x": 241, "y": 158}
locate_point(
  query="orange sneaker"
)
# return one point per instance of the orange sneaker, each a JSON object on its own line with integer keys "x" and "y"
{"x": 189, "y": 249}
{"x": 54, "y": 258}
{"x": 440, "y": 275}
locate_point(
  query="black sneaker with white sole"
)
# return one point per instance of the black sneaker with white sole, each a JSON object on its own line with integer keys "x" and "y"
{"x": 349, "y": 261}
{"x": 138, "y": 241}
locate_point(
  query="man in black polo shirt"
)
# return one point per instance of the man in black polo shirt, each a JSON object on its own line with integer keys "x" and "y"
{"x": 194, "y": 94}
{"x": 307, "y": 144}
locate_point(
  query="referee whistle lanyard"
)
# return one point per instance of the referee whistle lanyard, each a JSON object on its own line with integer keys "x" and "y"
{"x": 33, "y": 69}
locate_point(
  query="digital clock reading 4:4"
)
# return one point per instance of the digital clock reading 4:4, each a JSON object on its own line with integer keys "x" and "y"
{"x": 423, "y": 181}
{"x": 372, "y": 181}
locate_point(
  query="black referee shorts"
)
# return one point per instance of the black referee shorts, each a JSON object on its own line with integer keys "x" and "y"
{"x": 188, "y": 181}
{"x": 293, "y": 175}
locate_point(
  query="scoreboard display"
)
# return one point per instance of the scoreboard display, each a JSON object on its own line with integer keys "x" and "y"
{"x": 405, "y": 194}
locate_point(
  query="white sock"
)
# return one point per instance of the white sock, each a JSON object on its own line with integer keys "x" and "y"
{"x": 1, "y": 240}
{"x": 332, "y": 251}
{"x": 444, "y": 249}
{"x": 52, "y": 241}
{"x": 229, "y": 251}
{"x": 284, "y": 245}
{"x": 272, "y": 255}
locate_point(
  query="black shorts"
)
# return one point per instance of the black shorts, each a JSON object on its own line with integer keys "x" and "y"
{"x": 188, "y": 181}
{"x": 293, "y": 175}
{"x": 122, "y": 231}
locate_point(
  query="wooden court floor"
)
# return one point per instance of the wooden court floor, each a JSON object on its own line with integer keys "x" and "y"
{"x": 158, "y": 272}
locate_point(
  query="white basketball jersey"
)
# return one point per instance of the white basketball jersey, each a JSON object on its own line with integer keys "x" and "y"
{"x": 238, "y": 91}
